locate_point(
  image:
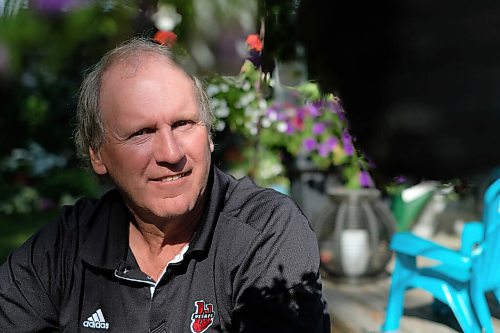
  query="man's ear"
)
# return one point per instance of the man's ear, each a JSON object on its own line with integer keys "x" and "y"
{"x": 211, "y": 143}
{"x": 96, "y": 161}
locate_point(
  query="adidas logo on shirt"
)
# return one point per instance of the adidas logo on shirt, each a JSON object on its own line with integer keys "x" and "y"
{"x": 96, "y": 321}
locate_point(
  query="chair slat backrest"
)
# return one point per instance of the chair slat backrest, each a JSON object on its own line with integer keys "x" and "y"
{"x": 491, "y": 208}
{"x": 486, "y": 267}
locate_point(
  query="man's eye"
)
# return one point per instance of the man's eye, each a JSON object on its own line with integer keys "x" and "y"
{"x": 142, "y": 132}
{"x": 182, "y": 123}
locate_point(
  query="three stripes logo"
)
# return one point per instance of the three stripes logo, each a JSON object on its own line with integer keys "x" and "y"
{"x": 96, "y": 321}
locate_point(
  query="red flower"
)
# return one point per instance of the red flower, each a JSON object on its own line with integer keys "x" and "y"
{"x": 298, "y": 123}
{"x": 165, "y": 38}
{"x": 254, "y": 42}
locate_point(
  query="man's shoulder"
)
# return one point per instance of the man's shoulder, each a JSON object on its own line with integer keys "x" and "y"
{"x": 246, "y": 193}
{"x": 75, "y": 221}
{"x": 259, "y": 207}
{"x": 84, "y": 210}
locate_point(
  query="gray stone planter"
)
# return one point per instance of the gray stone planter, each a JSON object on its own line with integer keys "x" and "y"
{"x": 354, "y": 229}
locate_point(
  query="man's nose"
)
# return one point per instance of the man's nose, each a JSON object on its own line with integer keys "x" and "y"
{"x": 167, "y": 147}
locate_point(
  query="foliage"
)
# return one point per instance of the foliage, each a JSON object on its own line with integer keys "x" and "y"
{"x": 43, "y": 53}
{"x": 46, "y": 55}
{"x": 240, "y": 104}
{"x": 299, "y": 121}
{"x": 45, "y": 48}
{"x": 17, "y": 228}
{"x": 36, "y": 180}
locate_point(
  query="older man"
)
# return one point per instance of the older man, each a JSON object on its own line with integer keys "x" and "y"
{"x": 177, "y": 246}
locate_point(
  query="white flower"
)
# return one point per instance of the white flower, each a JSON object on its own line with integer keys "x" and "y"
{"x": 253, "y": 130}
{"x": 246, "y": 86}
{"x": 273, "y": 115}
{"x": 213, "y": 90}
{"x": 282, "y": 127}
{"x": 221, "y": 109}
{"x": 245, "y": 100}
{"x": 262, "y": 104}
{"x": 166, "y": 17}
{"x": 220, "y": 125}
{"x": 266, "y": 122}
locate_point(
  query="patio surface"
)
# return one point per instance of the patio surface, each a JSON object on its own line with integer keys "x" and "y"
{"x": 359, "y": 306}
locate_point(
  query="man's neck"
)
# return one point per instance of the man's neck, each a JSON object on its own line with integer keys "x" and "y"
{"x": 152, "y": 251}
{"x": 155, "y": 244}
{"x": 156, "y": 237}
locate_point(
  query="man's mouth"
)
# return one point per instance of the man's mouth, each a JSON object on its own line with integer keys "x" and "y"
{"x": 172, "y": 178}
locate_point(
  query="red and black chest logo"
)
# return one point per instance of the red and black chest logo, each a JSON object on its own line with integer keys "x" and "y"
{"x": 202, "y": 317}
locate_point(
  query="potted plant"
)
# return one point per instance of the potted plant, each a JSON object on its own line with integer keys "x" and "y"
{"x": 289, "y": 130}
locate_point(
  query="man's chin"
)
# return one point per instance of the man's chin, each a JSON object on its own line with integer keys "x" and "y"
{"x": 170, "y": 211}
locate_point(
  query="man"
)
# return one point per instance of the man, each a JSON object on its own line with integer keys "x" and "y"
{"x": 178, "y": 246}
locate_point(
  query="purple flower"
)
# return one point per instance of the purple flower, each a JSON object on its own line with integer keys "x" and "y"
{"x": 51, "y": 6}
{"x": 318, "y": 128}
{"x": 311, "y": 109}
{"x": 326, "y": 147}
{"x": 255, "y": 58}
{"x": 324, "y": 150}
{"x": 400, "y": 179}
{"x": 347, "y": 143}
{"x": 336, "y": 107}
{"x": 300, "y": 113}
{"x": 273, "y": 113}
{"x": 309, "y": 144}
{"x": 365, "y": 180}
{"x": 331, "y": 142}
{"x": 319, "y": 104}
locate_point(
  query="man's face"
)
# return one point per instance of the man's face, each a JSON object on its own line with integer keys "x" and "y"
{"x": 157, "y": 150}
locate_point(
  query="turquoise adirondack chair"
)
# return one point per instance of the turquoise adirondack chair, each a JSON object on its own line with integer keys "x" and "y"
{"x": 461, "y": 278}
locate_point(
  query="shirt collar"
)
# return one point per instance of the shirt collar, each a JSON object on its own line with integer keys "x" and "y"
{"x": 106, "y": 244}
{"x": 218, "y": 184}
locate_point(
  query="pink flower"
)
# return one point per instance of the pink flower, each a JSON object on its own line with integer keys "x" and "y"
{"x": 297, "y": 123}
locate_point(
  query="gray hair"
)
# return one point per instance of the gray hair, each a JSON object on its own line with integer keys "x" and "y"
{"x": 90, "y": 130}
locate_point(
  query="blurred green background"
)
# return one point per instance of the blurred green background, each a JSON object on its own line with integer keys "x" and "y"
{"x": 270, "y": 127}
{"x": 45, "y": 47}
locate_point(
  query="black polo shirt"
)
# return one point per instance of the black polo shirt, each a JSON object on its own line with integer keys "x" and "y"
{"x": 252, "y": 266}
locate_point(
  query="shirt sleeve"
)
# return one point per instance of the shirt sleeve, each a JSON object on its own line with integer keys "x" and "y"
{"x": 29, "y": 287}
{"x": 278, "y": 286}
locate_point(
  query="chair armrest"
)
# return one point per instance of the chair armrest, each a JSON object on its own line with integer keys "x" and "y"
{"x": 409, "y": 244}
{"x": 472, "y": 235}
